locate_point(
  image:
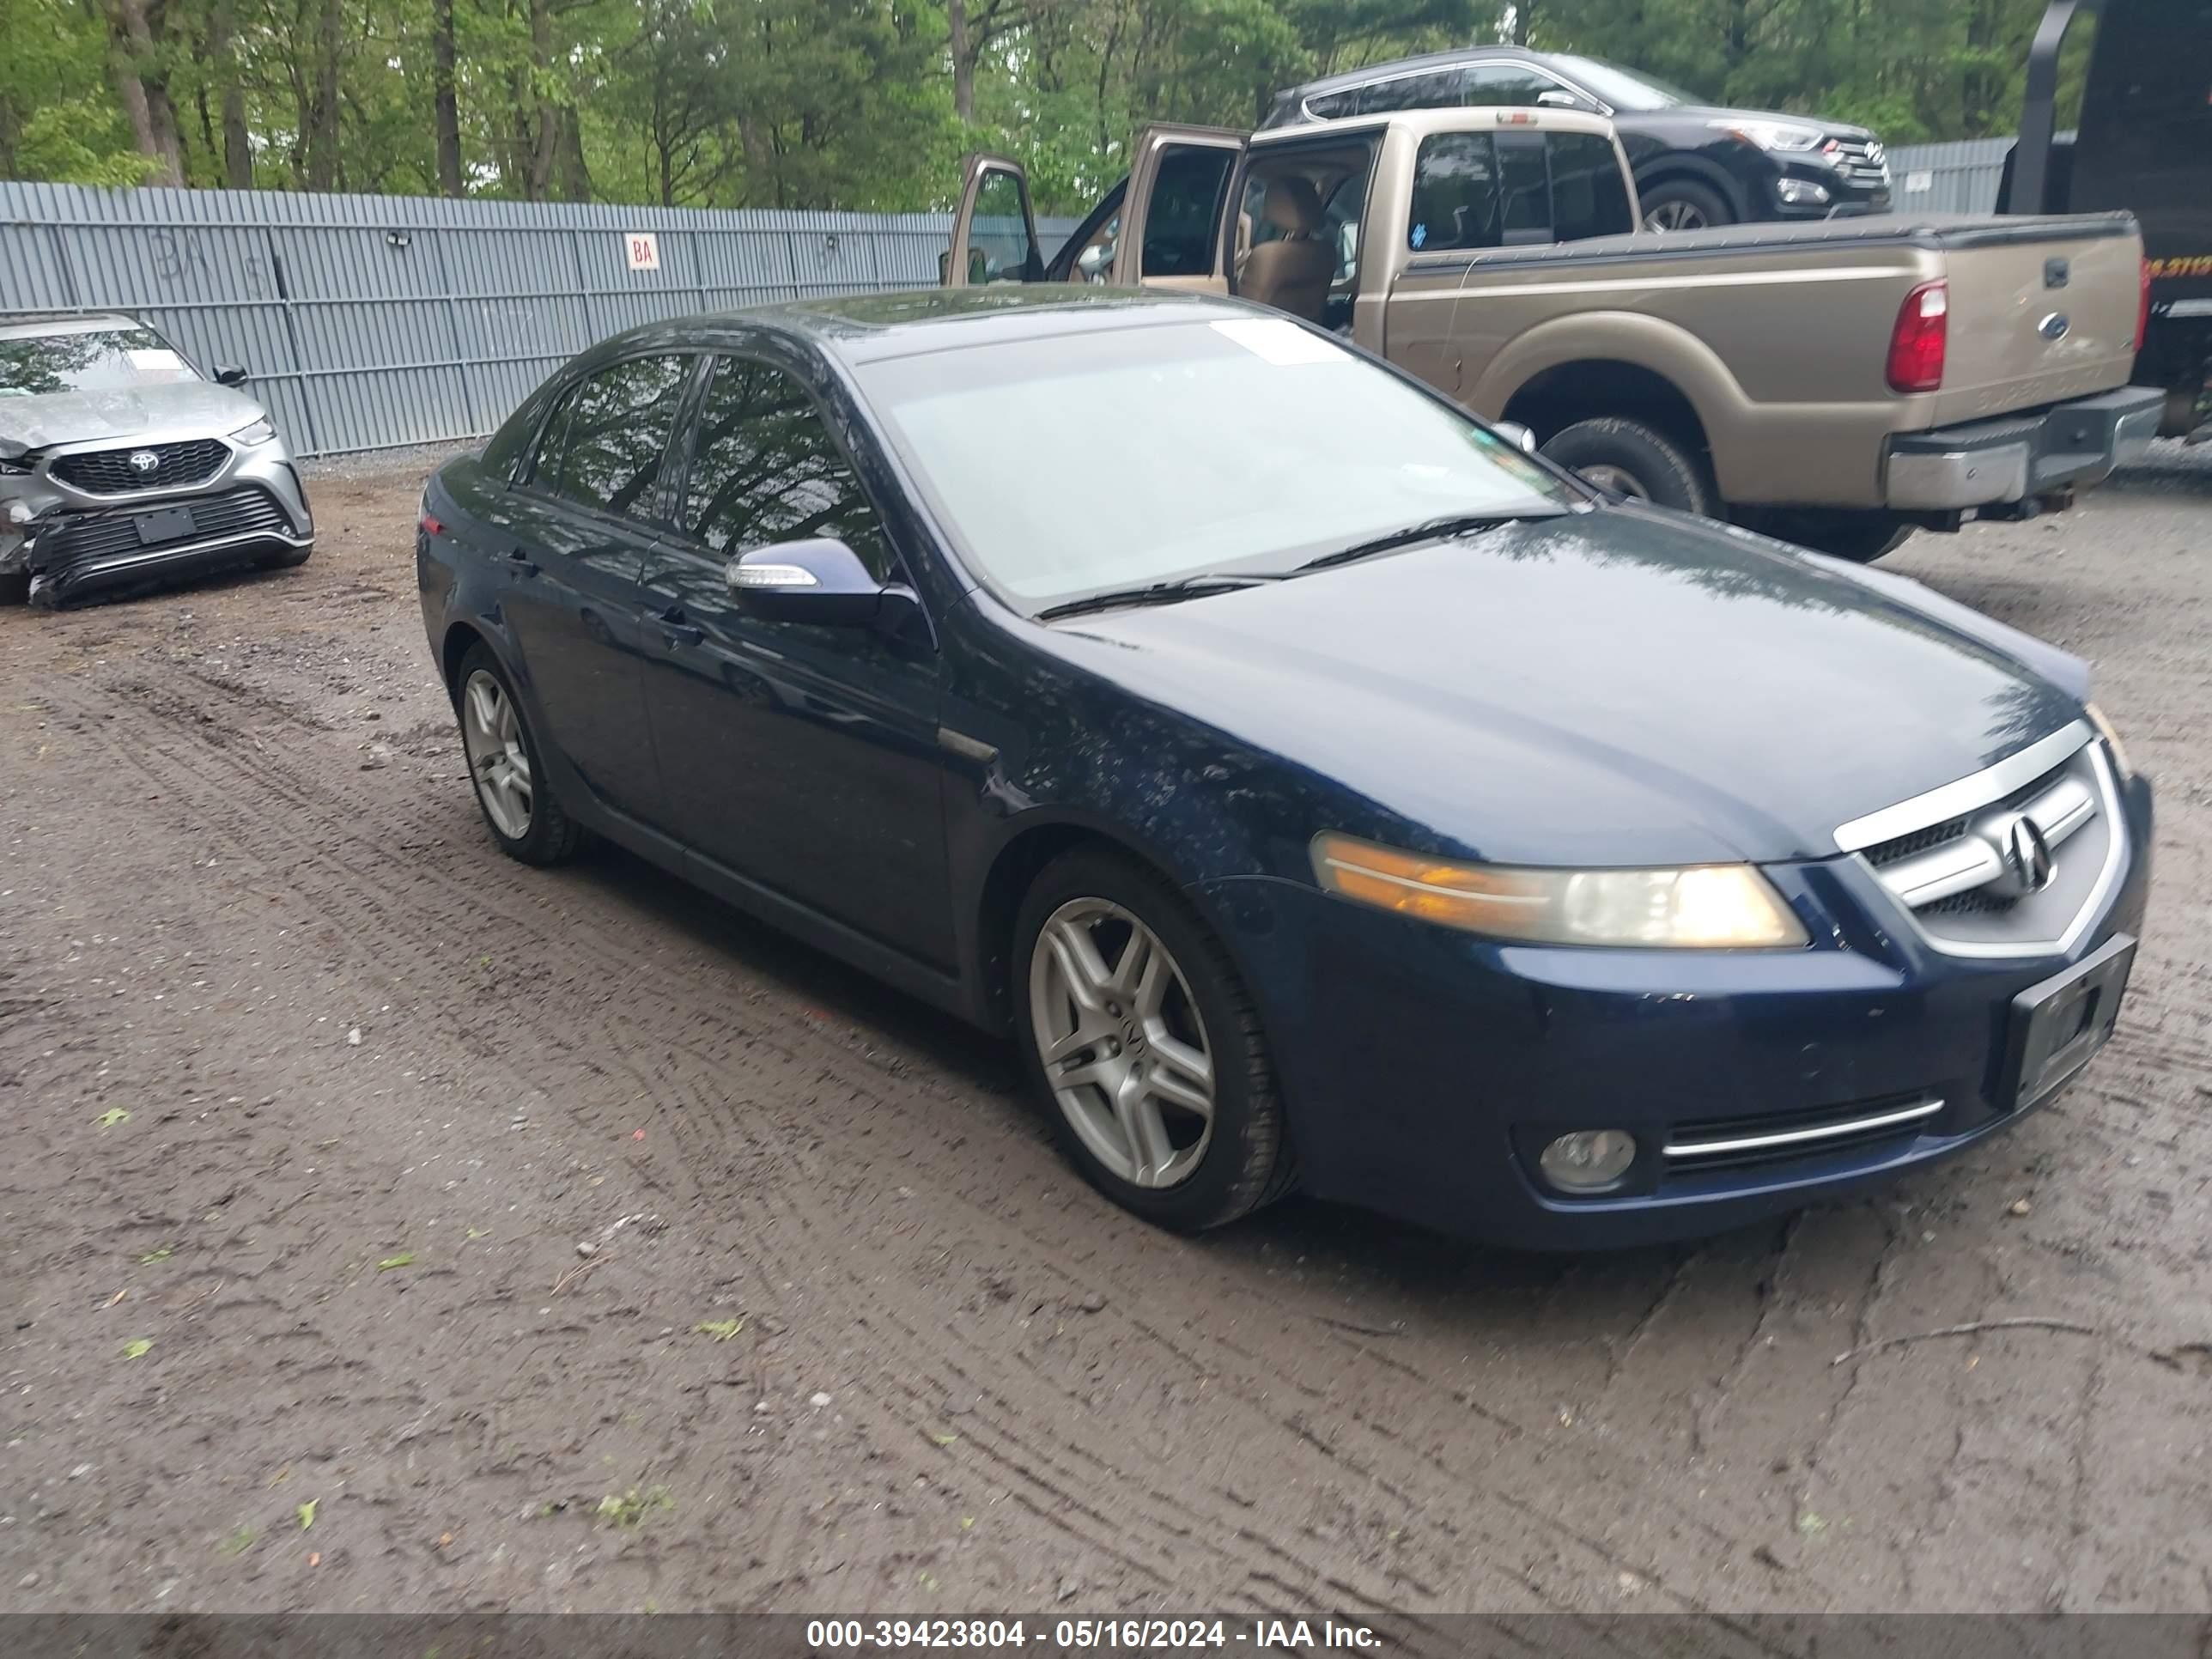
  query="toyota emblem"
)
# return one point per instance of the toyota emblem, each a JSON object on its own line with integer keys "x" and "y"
{"x": 145, "y": 460}
{"x": 2026, "y": 855}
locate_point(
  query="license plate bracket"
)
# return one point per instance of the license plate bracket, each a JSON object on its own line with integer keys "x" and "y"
{"x": 170, "y": 524}
{"x": 2060, "y": 1023}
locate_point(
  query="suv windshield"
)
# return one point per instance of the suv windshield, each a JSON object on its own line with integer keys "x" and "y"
{"x": 1623, "y": 89}
{"x": 1245, "y": 446}
{"x": 89, "y": 360}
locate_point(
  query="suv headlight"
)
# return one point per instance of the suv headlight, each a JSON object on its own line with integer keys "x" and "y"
{"x": 1774, "y": 134}
{"x": 2104, "y": 726}
{"x": 1711, "y": 906}
{"x": 257, "y": 432}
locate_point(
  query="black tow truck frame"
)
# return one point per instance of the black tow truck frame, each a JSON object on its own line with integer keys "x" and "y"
{"x": 2144, "y": 142}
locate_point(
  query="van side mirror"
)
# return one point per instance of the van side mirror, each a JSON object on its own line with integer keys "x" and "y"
{"x": 229, "y": 374}
{"x": 820, "y": 580}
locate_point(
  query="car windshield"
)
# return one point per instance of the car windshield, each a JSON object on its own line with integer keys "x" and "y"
{"x": 89, "y": 360}
{"x": 1096, "y": 462}
{"x": 1623, "y": 89}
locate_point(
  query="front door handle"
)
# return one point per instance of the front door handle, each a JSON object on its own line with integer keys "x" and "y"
{"x": 520, "y": 563}
{"x": 678, "y": 630}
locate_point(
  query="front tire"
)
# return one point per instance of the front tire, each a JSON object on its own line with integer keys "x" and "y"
{"x": 1144, "y": 1045}
{"x": 1635, "y": 460}
{"x": 506, "y": 768}
{"x": 1684, "y": 204}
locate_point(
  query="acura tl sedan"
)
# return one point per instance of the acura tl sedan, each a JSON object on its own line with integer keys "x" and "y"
{"x": 1322, "y": 792}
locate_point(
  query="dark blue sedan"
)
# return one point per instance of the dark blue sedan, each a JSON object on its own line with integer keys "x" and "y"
{"x": 1322, "y": 792}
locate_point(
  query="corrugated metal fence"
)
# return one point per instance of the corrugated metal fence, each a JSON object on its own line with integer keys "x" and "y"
{"x": 368, "y": 322}
{"x": 1959, "y": 178}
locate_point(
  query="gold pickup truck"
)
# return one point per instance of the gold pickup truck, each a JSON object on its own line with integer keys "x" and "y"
{"x": 1836, "y": 383}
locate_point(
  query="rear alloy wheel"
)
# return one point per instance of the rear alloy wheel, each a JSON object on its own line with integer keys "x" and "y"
{"x": 504, "y": 766}
{"x": 1632, "y": 460}
{"x": 1684, "y": 204}
{"x": 1137, "y": 1031}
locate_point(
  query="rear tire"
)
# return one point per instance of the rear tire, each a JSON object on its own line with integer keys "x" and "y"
{"x": 1684, "y": 204}
{"x": 1634, "y": 460}
{"x": 1129, "y": 1012}
{"x": 506, "y": 769}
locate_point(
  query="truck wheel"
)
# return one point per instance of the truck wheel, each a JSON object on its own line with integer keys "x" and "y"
{"x": 1685, "y": 204}
{"x": 1634, "y": 461}
{"x": 1861, "y": 538}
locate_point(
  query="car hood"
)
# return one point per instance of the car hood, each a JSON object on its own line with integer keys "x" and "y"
{"x": 1618, "y": 687}
{"x": 196, "y": 407}
{"x": 1718, "y": 113}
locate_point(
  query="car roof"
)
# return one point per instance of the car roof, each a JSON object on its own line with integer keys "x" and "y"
{"x": 1397, "y": 66}
{"x": 869, "y": 327}
{"x": 34, "y": 325}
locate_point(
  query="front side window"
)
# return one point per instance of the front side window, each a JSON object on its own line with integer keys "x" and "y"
{"x": 1454, "y": 193}
{"x": 89, "y": 360}
{"x": 765, "y": 469}
{"x": 999, "y": 231}
{"x": 1507, "y": 84}
{"x": 604, "y": 447}
{"x": 1244, "y": 443}
{"x": 1182, "y": 222}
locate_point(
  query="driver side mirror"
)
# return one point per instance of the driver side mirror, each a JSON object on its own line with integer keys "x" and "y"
{"x": 820, "y": 580}
{"x": 1559, "y": 101}
{"x": 1517, "y": 434}
{"x": 229, "y": 374}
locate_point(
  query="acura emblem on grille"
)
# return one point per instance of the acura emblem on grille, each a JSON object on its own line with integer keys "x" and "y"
{"x": 2025, "y": 851}
{"x": 145, "y": 460}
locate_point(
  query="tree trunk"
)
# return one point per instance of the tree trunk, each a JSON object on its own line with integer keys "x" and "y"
{"x": 237, "y": 147}
{"x": 145, "y": 97}
{"x": 1522, "y": 10}
{"x": 545, "y": 124}
{"x": 323, "y": 111}
{"x": 964, "y": 65}
{"x": 446, "y": 98}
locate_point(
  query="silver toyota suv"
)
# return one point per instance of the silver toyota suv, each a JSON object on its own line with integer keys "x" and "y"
{"x": 120, "y": 464}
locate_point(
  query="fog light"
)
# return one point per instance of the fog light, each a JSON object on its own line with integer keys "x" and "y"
{"x": 1589, "y": 1160}
{"x": 1801, "y": 192}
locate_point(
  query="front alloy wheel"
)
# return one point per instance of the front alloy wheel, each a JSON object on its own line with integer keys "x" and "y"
{"x": 1123, "y": 1045}
{"x": 1676, "y": 216}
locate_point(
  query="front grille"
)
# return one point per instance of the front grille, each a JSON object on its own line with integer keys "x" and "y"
{"x": 244, "y": 511}
{"x": 1963, "y": 876}
{"x": 1700, "y": 1146}
{"x": 110, "y": 471}
{"x": 1862, "y": 160}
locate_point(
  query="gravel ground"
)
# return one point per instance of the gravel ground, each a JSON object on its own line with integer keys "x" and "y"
{"x": 387, "y": 1225}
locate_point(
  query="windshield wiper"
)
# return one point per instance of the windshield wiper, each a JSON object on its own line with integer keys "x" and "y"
{"x": 1429, "y": 530}
{"x": 1183, "y": 587}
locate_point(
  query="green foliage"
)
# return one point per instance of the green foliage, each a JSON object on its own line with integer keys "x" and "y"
{"x": 864, "y": 104}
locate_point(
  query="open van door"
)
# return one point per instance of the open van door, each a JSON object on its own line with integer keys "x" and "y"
{"x": 993, "y": 233}
{"x": 1175, "y": 217}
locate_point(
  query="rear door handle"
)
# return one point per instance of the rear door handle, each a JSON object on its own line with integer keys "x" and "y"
{"x": 677, "y": 630}
{"x": 519, "y": 559}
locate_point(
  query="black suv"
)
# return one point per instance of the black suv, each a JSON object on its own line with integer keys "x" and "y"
{"x": 1695, "y": 165}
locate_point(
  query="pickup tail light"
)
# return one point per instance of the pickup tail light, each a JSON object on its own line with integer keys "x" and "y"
{"x": 2143, "y": 308}
{"x": 1916, "y": 343}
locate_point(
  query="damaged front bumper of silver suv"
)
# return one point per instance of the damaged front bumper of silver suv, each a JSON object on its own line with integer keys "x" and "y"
{"x": 76, "y": 521}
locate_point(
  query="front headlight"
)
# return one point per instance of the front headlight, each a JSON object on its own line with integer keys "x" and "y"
{"x": 2112, "y": 741}
{"x": 1709, "y": 907}
{"x": 1774, "y": 134}
{"x": 259, "y": 432}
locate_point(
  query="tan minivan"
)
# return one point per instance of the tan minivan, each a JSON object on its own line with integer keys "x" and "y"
{"x": 1836, "y": 383}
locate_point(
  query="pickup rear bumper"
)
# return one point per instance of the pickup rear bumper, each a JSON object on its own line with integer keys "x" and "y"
{"x": 2016, "y": 457}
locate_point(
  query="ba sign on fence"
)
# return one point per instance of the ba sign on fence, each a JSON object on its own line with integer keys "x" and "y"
{"x": 644, "y": 250}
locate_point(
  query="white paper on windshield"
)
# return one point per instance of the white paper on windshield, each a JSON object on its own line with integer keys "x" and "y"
{"x": 1280, "y": 342}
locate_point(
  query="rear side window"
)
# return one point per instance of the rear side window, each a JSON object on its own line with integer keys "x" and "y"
{"x": 1182, "y": 222}
{"x": 1439, "y": 90}
{"x": 604, "y": 445}
{"x": 765, "y": 468}
{"x": 1330, "y": 105}
{"x": 1474, "y": 190}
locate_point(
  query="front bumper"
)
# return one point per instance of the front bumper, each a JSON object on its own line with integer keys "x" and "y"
{"x": 74, "y": 544}
{"x": 2014, "y": 458}
{"x": 1422, "y": 1068}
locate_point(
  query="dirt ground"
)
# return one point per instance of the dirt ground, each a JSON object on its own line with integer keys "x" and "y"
{"x": 385, "y": 1225}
